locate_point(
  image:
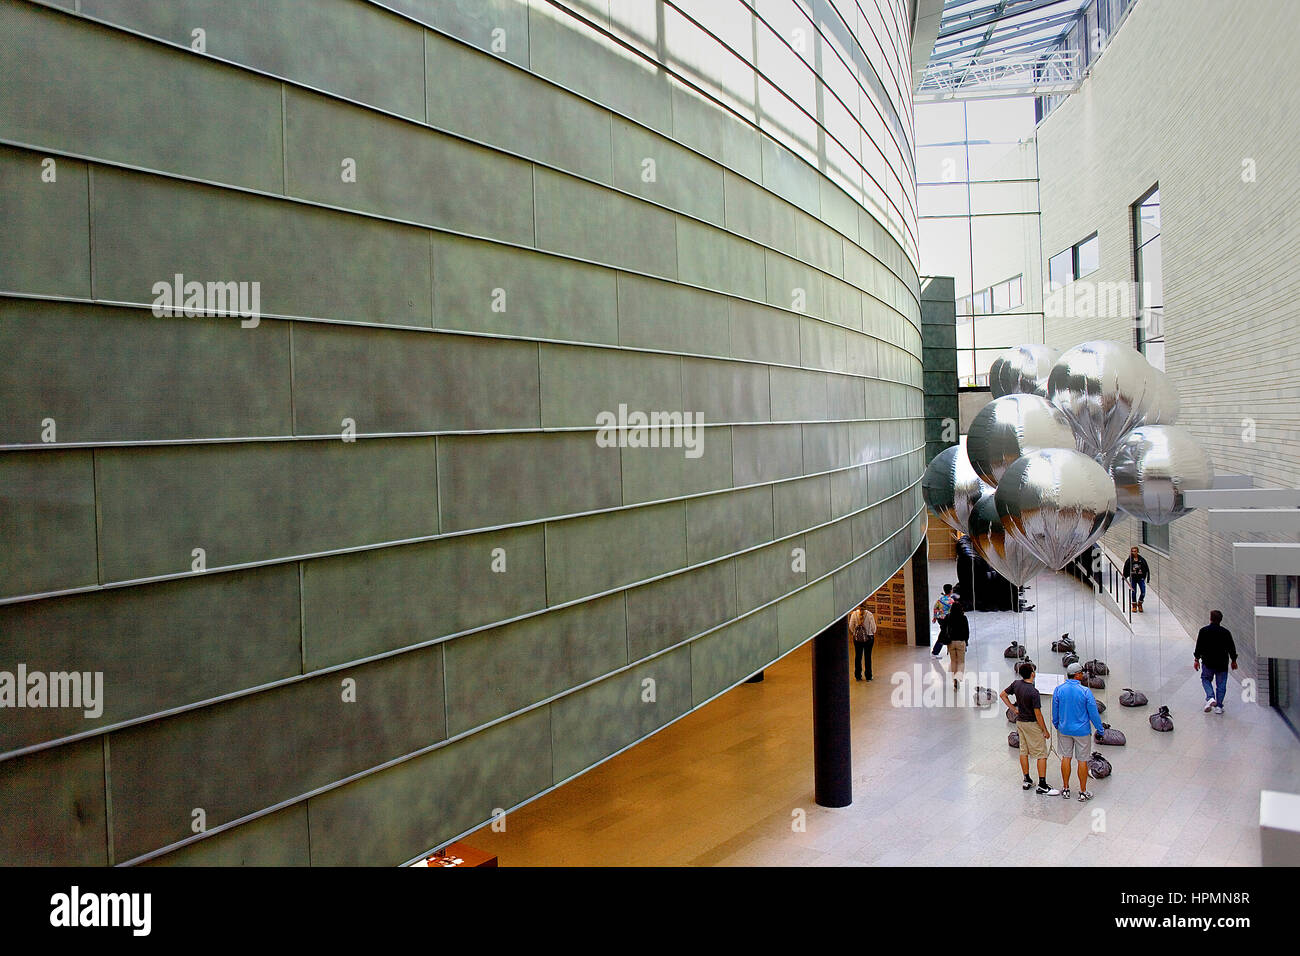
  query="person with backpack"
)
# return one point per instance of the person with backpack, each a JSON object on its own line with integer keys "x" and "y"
{"x": 1136, "y": 572}
{"x": 1074, "y": 715}
{"x": 942, "y": 607}
{"x": 1030, "y": 726}
{"x": 1214, "y": 646}
{"x": 958, "y": 638}
{"x": 862, "y": 628}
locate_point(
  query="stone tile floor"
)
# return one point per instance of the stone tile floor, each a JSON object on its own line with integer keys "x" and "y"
{"x": 932, "y": 785}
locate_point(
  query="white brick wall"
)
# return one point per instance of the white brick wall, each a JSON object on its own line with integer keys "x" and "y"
{"x": 1186, "y": 92}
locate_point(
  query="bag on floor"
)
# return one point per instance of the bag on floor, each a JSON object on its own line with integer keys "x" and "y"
{"x": 1066, "y": 643}
{"x": 1096, "y": 683}
{"x": 1110, "y": 736}
{"x": 1132, "y": 698}
{"x": 1098, "y": 766}
{"x": 1068, "y": 659}
{"x": 1012, "y": 715}
{"x": 1161, "y": 720}
{"x": 1101, "y": 707}
{"x": 1013, "y": 739}
{"x": 1095, "y": 668}
{"x": 984, "y": 696}
{"x": 1014, "y": 650}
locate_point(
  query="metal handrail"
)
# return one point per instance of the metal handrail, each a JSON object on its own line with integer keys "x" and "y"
{"x": 1112, "y": 579}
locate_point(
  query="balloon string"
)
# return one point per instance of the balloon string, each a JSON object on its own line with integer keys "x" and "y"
{"x": 1160, "y": 631}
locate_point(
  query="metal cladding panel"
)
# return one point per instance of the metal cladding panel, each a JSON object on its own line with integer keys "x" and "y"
{"x": 425, "y": 393}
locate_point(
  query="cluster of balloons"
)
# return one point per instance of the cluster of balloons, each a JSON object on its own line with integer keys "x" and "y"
{"x": 1068, "y": 439}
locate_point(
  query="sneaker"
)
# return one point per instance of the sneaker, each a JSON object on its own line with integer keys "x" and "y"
{"x": 1026, "y": 784}
{"x": 1218, "y": 710}
{"x": 1208, "y": 704}
{"x": 1084, "y": 796}
{"x": 1047, "y": 791}
{"x": 1066, "y": 793}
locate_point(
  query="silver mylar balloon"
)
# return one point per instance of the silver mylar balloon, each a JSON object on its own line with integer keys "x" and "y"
{"x": 1011, "y": 427}
{"x": 1155, "y": 464}
{"x": 950, "y": 487}
{"x": 1056, "y": 503}
{"x": 1005, "y": 555}
{"x": 1163, "y": 402}
{"x": 1022, "y": 369}
{"x": 1105, "y": 390}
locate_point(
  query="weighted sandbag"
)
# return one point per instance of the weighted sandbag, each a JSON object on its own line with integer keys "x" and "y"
{"x": 1095, "y": 668}
{"x": 1098, "y": 766}
{"x": 984, "y": 697}
{"x": 1070, "y": 658}
{"x": 1110, "y": 736}
{"x": 1014, "y": 650}
{"x": 1132, "y": 698}
{"x": 1012, "y": 715}
{"x": 1161, "y": 720}
{"x": 1101, "y": 707}
{"x": 1013, "y": 739}
{"x": 1066, "y": 643}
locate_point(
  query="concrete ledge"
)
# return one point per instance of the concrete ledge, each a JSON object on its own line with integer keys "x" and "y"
{"x": 1277, "y": 632}
{"x": 1265, "y": 558}
{"x": 1243, "y": 498}
{"x": 1269, "y": 520}
{"x": 1279, "y": 828}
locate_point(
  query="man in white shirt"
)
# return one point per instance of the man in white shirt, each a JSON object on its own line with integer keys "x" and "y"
{"x": 862, "y": 628}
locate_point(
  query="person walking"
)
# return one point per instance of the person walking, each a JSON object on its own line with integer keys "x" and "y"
{"x": 941, "y": 608}
{"x": 1214, "y": 647}
{"x": 1075, "y": 716}
{"x": 958, "y": 638}
{"x": 862, "y": 627}
{"x": 1030, "y": 726}
{"x": 1136, "y": 572}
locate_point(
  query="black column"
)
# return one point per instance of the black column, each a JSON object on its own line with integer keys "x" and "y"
{"x": 921, "y": 593}
{"x": 832, "y": 751}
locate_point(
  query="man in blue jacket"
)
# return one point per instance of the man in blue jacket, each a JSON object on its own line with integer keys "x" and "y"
{"x": 1074, "y": 714}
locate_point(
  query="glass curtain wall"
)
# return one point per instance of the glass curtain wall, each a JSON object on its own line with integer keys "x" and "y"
{"x": 977, "y": 196}
{"x": 1284, "y": 675}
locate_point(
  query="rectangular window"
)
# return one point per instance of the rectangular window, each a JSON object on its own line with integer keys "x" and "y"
{"x": 1156, "y": 536}
{"x": 1002, "y": 297}
{"x": 1087, "y": 256}
{"x": 981, "y": 301}
{"x": 1060, "y": 269}
{"x": 1017, "y": 292}
{"x": 1148, "y": 275}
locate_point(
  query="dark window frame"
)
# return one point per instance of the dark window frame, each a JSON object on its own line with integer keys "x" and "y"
{"x": 1137, "y": 243}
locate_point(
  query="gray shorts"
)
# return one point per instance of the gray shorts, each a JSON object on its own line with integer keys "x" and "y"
{"x": 1080, "y": 748}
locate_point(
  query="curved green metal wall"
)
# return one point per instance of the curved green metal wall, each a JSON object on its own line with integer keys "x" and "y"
{"x": 357, "y": 571}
